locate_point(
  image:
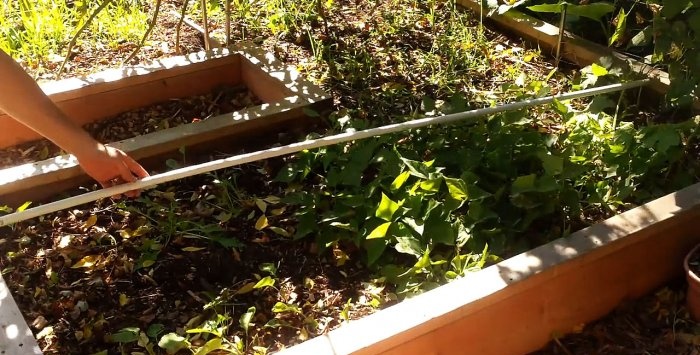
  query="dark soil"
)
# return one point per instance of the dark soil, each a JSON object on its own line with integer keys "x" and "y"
{"x": 658, "y": 324}
{"x": 89, "y": 273}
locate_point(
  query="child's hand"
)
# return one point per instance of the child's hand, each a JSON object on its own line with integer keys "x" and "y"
{"x": 110, "y": 166}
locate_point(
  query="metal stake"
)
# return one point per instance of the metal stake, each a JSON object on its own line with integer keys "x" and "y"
{"x": 299, "y": 146}
{"x": 562, "y": 22}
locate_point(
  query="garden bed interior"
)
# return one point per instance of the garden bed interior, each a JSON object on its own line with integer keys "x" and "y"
{"x": 513, "y": 307}
{"x": 88, "y": 102}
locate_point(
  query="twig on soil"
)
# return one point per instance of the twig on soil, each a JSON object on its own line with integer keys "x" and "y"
{"x": 563, "y": 348}
{"x": 148, "y": 32}
{"x": 183, "y": 11}
{"x": 87, "y": 23}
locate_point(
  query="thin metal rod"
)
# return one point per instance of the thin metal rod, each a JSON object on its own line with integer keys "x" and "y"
{"x": 299, "y": 146}
{"x": 562, "y": 22}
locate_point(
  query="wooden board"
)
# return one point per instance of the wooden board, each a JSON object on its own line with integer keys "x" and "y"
{"x": 109, "y": 93}
{"x": 284, "y": 91}
{"x": 574, "y": 48}
{"x": 15, "y": 336}
{"x": 515, "y": 306}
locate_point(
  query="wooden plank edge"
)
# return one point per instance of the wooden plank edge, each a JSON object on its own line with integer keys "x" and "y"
{"x": 288, "y": 75}
{"x": 580, "y": 51}
{"x": 62, "y": 167}
{"x": 112, "y": 79}
{"x": 15, "y": 336}
{"x": 423, "y": 314}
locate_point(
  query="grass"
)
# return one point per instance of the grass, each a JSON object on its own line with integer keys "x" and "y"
{"x": 36, "y": 32}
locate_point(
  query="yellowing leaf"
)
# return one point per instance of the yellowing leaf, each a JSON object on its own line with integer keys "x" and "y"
{"x": 86, "y": 262}
{"x": 147, "y": 263}
{"x": 261, "y": 205}
{"x": 598, "y": 70}
{"x": 340, "y": 257}
{"x": 278, "y": 211}
{"x": 125, "y": 233}
{"x": 272, "y": 199}
{"x": 246, "y": 288}
{"x": 380, "y": 231}
{"x": 400, "y": 180}
{"x": 123, "y": 299}
{"x": 141, "y": 230}
{"x": 261, "y": 223}
{"x": 281, "y": 231}
{"x": 90, "y": 222}
{"x": 193, "y": 248}
{"x": 265, "y": 282}
{"x": 24, "y": 206}
{"x": 386, "y": 208}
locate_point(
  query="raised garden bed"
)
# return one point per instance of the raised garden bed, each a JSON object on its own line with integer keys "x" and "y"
{"x": 574, "y": 48}
{"x": 99, "y": 97}
{"x": 527, "y": 298}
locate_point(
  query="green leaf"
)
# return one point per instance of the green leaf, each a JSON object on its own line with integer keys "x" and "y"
{"x": 125, "y": 335}
{"x": 386, "y": 208}
{"x": 211, "y": 345}
{"x": 552, "y": 164}
{"x": 440, "y": 231}
{"x": 266, "y": 281}
{"x": 281, "y": 307}
{"x": 245, "y": 319}
{"x": 24, "y": 206}
{"x": 457, "y": 188}
{"x": 555, "y": 8}
{"x": 375, "y": 248}
{"x": 380, "y": 231}
{"x": 598, "y": 70}
{"x": 595, "y": 11}
{"x": 432, "y": 185}
{"x": 672, "y": 8}
{"x": 620, "y": 28}
{"x": 154, "y": 330}
{"x": 173, "y": 343}
{"x": 523, "y": 183}
{"x": 400, "y": 180}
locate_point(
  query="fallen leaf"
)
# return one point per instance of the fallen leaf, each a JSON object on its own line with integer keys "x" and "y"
{"x": 261, "y": 205}
{"x": 193, "y": 248}
{"x": 90, "y": 222}
{"x": 261, "y": 223}
{"x": 86, "y": 262}
{"x": 123, "y": 299}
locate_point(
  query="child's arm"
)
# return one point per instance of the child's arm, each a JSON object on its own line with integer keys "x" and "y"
{"x": 22, "y": 98}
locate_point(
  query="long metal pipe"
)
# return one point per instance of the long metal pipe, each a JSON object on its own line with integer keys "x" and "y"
{"x": 299, "y": 146}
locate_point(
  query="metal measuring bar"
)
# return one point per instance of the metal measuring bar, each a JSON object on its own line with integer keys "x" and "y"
{"x": 299, "y": 146}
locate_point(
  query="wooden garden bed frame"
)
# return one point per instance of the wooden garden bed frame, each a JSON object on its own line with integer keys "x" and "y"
{"x": 517, "y": 305}
{"x": 286, "y": 96}
{"x": 575, "y": 49}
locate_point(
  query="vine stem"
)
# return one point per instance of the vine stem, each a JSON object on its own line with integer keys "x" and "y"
{"x": 154, "y": 19}
{"x": 228, "y": 22}
{"x": 183, "y": 10}
{"x": 205, "y": 19}
{"x": 472, "y": 116}
{"x": 87, "y": 23}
